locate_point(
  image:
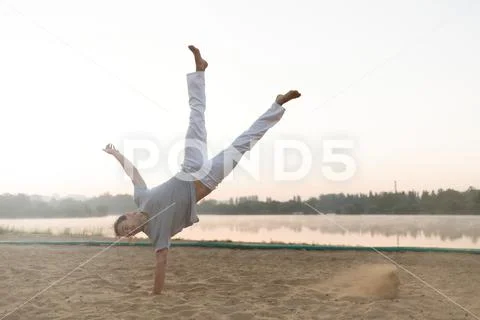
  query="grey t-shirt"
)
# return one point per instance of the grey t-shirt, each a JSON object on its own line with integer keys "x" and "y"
{"x": 171, "y": 207}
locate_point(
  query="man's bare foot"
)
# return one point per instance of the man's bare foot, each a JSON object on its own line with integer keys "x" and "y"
{"x": 283, "y": 98}
{"x": 200, "y": 63}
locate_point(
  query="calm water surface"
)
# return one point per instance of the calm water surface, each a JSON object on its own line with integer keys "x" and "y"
{"x": 363, "y": 230}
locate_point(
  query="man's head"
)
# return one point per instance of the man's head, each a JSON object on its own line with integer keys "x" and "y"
{"x": 129, "y": 224}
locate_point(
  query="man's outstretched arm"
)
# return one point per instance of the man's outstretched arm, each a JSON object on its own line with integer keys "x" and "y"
{"x": 160, "y": 268}
{"x": 129, "y": 168}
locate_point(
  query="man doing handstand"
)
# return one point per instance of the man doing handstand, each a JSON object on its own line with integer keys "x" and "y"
{"x": 165, "y": 210}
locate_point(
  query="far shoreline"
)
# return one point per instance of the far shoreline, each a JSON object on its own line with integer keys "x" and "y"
{"x": 410, "y": 214}
{"x": 32, "y": 239}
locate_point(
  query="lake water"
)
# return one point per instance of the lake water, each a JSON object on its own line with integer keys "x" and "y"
{"x": 352, "y": 230}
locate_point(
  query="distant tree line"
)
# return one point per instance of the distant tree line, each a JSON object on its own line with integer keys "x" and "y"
{"x": 435, "y": 202}
{"x": 24, "y": 206}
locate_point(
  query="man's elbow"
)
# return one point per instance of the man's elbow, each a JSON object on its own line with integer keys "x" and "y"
{"x": 161, "y": 255}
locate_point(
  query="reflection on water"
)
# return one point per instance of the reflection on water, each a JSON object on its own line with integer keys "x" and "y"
{"x": 364, "y": 230}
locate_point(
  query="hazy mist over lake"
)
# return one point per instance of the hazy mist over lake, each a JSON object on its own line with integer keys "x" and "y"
{"x": 364, "y": 230}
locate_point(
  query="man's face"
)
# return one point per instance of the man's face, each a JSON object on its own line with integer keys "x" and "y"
{"x": 129, "y": 226}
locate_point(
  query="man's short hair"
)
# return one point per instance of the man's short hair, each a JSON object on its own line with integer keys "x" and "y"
{"x": 115, "y": 225}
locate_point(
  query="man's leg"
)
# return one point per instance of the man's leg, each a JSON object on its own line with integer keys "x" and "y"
{"x": 224, "y": 162}
{"x": 196, "y": 137}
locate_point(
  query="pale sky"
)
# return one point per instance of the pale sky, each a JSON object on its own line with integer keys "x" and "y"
{"x": 399, "y": 79}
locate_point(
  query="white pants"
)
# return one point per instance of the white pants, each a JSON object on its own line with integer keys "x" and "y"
{"x": 196, "y": 163}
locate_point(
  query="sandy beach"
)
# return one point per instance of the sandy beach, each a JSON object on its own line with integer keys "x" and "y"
{"x": 234, "y": 284}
